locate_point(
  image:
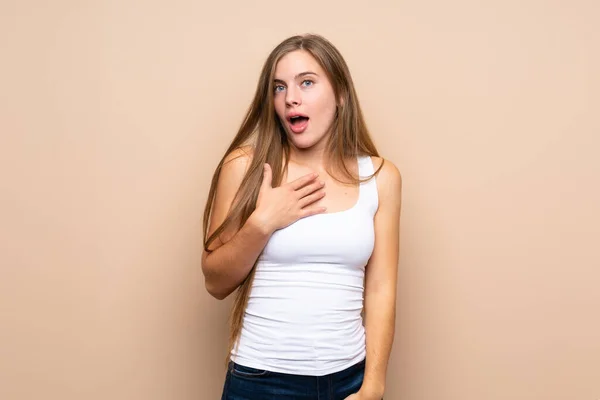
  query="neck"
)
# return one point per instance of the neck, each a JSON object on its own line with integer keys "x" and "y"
{"x": 313, "y": 158}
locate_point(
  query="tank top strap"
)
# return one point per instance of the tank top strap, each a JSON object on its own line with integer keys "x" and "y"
{"x": 368, "y": 190}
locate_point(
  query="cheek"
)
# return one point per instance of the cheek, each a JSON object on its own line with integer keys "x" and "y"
{"x": 279, "y": 107}
{"x": 327, "y": 109}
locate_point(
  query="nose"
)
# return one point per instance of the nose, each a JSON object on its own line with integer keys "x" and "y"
{"x": 293, "y": 96}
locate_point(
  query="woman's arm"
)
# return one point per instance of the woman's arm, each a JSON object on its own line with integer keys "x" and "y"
{"x": 226, "y": 267}
{"x": 380, "y": 286}
{"x": 234, "y": 252}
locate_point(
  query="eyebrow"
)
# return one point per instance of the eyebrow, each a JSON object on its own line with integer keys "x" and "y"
{"x": 301, "y": 74}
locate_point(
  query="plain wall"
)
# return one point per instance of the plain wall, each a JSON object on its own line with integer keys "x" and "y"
{"x": 114, "y": 114}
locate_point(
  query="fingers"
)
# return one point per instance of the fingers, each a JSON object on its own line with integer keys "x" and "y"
{"x": 307, "y": 200}
{"x": 308, "y": 189}
{"x": 267, "y": 177}
{"x": 303, "y": 180}
{"x": 307, "y": 212}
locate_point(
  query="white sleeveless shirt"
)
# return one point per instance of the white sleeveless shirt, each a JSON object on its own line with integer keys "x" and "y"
{"x": 304, "y": 311}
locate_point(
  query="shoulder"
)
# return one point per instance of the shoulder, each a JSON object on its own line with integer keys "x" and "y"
{"x": 232, "y": 172}
{"x": 240, "y": 157}
{"x": 236, "y": 163}
{"x": 389, "y": 173}
{"x": 389, "y": 180}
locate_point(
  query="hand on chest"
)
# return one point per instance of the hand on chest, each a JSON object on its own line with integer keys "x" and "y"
{"x": 338, "y": 197}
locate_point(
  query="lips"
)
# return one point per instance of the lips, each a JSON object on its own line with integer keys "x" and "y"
{"x": 297, "y": 122}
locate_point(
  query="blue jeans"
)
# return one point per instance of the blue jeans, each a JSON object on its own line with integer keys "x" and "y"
{"x": 245, "y": 383}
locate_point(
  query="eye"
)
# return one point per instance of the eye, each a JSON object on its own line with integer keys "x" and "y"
{"x": 307, "y": 81}
{"x": 277, "y": 88}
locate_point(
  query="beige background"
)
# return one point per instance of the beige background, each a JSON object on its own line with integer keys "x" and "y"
{"x": 113, "y": 115}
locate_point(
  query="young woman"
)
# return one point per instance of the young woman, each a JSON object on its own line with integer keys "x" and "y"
{"x": 303, "y": 219}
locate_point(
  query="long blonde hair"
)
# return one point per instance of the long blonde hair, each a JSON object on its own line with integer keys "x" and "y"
{"x": 349, "y": 138}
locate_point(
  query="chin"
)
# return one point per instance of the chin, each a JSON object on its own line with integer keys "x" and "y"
{"x": 303, "y": 142}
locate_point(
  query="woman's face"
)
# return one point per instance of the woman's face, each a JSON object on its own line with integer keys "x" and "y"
{"x": 304, "y": 99}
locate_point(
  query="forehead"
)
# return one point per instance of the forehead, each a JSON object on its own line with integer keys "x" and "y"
{"x": 296, "y": 62}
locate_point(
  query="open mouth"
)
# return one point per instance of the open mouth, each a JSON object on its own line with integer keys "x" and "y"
{"x": 298, "y": 123}
{"x": 298, "y": 120}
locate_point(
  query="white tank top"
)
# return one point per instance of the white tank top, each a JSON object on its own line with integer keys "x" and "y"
{"x": 304, "y": 311}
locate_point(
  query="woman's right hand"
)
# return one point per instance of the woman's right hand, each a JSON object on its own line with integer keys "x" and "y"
{"x": 279, "y": 207}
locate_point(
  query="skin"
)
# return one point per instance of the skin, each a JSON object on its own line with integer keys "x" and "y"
{"x": 301, "y": 85}
{"x": 302, "y": 195}
{"x": 380, "y": 285}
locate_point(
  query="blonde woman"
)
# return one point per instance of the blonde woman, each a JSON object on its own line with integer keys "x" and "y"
{"x": 302, "y": 219}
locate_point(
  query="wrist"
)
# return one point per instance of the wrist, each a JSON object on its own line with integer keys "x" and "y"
{"x": 371, "y": 392}
{"x": 259, "y": 225}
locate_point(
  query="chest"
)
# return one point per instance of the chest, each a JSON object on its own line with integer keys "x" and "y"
{"x": 339, "y": 196}
{"x": 341, "y": 238}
